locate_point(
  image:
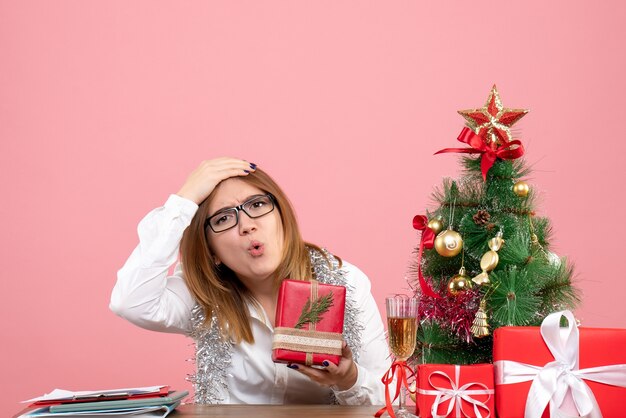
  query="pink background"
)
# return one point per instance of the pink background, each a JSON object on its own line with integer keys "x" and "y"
{"x": 105, "y": 106}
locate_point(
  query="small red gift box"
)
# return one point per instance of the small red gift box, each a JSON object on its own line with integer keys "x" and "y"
{"x": 449, "y": 390}
{"x": 515, "y": 348}
{"x": 309, "y": 322}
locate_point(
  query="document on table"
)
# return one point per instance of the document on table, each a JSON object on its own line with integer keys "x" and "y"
{"x": 147, "y": 412}
{"x": 65, "y": 395}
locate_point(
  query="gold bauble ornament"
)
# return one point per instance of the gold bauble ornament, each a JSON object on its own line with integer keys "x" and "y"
{"x": 521, "y": 188}
{"x": 412, "y": 391}
{"x": 459, "y": 283}
{"x": 435, "y": 225}
{"x": 448, "y": 243}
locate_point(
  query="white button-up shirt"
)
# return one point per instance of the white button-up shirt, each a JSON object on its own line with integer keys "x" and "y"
{"x": 146, "y": 296}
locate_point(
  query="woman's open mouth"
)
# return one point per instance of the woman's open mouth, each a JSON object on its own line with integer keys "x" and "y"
{"x": 256, "y": 249}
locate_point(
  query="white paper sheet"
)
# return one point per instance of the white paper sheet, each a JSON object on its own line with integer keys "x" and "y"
{"x": 59, "y": 394}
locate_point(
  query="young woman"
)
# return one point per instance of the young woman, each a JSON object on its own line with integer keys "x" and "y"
{"x": 238, "y": 239}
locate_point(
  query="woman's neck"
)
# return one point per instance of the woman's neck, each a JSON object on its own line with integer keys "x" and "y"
{"x": 268, "y": 303}
{"x": 266, "y": 295}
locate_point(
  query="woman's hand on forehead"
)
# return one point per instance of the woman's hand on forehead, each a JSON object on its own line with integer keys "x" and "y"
{"x": 201, "y": 182}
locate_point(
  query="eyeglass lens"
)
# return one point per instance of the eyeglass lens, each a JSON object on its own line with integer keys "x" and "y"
{"x": 254, "y": 208}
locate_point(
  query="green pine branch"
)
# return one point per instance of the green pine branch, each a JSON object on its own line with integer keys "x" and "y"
{"x": 514, "y": 169}
{"x": 557, "y": 292}
{"x": 312, "y": 312}
{"x": 438, "y": 345}
{"x": 514, "y": 300}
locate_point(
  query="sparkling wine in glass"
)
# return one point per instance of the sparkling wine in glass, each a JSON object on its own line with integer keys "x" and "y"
{"x": 402, "y": 329}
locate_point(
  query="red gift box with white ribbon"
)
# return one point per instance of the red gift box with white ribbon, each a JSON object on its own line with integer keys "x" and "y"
{"x": 448, "y": 390}
{"x": 309, "y": 323}
{"x": 555, "y": 371}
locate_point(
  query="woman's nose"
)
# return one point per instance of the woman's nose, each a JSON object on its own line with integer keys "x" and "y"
{"x": 246, "y": 224}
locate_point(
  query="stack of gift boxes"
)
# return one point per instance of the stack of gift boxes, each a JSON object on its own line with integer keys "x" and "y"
{"x": 547, "y": 371}
{"x": 537, "y": 371}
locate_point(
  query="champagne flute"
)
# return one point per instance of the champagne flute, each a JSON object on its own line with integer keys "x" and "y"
{"x": 402, "y": 329}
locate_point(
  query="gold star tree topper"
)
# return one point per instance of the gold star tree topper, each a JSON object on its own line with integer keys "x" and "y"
{"x": 492, "y": 121}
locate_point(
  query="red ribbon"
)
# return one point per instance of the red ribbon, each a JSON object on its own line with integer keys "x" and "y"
{"x": 420, "y": 222}
{"x": 509, "y": 151}
{"x": 398, "y": 371}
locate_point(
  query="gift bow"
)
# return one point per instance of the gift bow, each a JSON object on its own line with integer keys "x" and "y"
{"x": 398, "y": 371}
{"x": 455, "y": 394}
{"x": 508, "y": 151}
{"x": 420, "y": 222}
{"x": 552, "y": 382}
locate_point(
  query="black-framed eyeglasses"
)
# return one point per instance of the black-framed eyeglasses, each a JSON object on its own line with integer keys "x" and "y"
{"x": 255, "y": 207}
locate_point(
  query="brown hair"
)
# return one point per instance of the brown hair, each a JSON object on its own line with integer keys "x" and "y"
{"x": 217, "y": 288}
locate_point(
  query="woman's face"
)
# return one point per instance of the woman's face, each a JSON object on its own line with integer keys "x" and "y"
{"x": 253, "y": 248}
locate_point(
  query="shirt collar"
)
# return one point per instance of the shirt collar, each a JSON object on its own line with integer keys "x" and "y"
{"x": 257, "y": 312}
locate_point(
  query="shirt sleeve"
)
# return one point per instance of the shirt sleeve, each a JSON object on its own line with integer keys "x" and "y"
{"x": 144, "y": 294}
{"x": 373, "y": 358}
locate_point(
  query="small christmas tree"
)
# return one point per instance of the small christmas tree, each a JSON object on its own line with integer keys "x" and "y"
{"x": 484, "y": 258}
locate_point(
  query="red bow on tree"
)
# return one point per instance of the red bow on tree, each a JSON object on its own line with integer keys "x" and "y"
{"x": 490, "y": 152}
{"x": 420, "y": 222}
